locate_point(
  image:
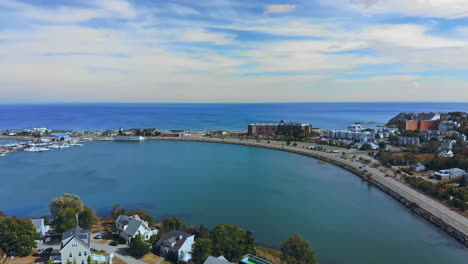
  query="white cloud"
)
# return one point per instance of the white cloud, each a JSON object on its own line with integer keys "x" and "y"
{"x": 204, "y": 36}
{"x": 424, "y": 8}
{"x": 183, "y": 10}
{"x": 409, "y": 36}
{"x": 279, "y": 8}
{"x": 119, "y": 7}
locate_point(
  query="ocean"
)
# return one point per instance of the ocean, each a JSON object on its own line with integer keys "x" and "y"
{"x": 205, "y": 116}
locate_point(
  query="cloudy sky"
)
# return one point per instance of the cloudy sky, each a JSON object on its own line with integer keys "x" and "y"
{"x": 233, "y": 51}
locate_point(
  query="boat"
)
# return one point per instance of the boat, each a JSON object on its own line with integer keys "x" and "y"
{"x": 36, "y": 149}
{"x": 106, "y": 139}
{"x": 55, "y": 146}
{"x": 76, "y": 145}
{"x": 2, "y": 155}
{"x": 129, "y": 138}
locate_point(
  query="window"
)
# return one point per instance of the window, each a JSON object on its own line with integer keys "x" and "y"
{"x": 85, "y": 253}
{"x": 82, "y": 261}
{"x": 74, "y": 244}
{"x": 70, "y": 255}
{"x": 79, "y": 253}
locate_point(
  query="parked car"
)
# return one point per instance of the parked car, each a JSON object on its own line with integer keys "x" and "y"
{"x": 43, "y": 252}
{"x": 48, "y": 240}
{"x": 114, "y": 243}
{"x": 98, "y": 236}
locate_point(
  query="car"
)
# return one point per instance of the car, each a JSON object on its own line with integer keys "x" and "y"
{"x": 48, "y": 240}
{"x": 51, "y": 231}
{"x": 98, "y": 236}
{"x": 114, "y": 243}
{"x": 43, "y": 252}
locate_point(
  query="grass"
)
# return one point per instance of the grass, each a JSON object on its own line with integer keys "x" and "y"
{"x": 269, "y": 254}
{"x": 22, "y": 260}
{"x": 151, "y": 258}
{"x": 117, "y": 260}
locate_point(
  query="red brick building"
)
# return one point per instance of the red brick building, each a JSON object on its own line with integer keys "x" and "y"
{"x": 281, "y": 128}
{"x": 421, "y": 125}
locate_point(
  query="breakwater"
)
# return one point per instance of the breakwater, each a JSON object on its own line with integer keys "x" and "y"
{"x": 454, "y": 225}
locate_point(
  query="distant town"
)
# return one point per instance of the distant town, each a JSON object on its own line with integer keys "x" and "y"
{"x": 420, "y": 159}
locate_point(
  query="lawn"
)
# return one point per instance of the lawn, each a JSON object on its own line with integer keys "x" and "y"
{"x": 269, "y": 254}
{"x": 151, "y": 258}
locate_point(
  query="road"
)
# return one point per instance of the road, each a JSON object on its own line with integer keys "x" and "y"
{"x": 449, "y": 216}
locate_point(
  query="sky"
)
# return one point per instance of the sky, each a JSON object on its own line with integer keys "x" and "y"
{"x": 233, "y": 51}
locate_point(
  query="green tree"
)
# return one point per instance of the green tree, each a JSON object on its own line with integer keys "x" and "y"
{"x": 68, "y": 200}
{"x": 17, "y": 236}
{"x": 296, "y": 250}
{"x": 382, "y": 145}
{"x": 366, "y": 146}
{"x": 138, "y": 247}
{"x": 88, "y": 259}
{"x": 65, "y": 219}
{"x": 86, "y": 218}
{"x": 231, "y": 242}
{"x": 201, "y": 249}
{"x": 295, "y": 144}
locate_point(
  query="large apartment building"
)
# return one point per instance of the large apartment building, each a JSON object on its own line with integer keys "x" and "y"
{"x": 280, "y": 128}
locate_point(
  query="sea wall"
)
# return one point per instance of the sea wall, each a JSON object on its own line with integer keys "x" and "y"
{"x": 415, "y": 208}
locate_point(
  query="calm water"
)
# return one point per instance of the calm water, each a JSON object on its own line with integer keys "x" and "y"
{"x": 205, "y": 116}
{"x": 274, "y": 194}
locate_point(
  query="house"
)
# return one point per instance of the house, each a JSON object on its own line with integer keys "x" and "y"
{"x": 130, "y": 226}
{"x": 446, "y": 153}
{"x": 176, "y": 243}
{"x": 75, "y": 246}
{"x": 448, "y": 125}
{"x": 406, "y": 141}
{"x": 41, "y": 229}
{"x": 218, "y": 260}
{"x": 447, "y": 143}
{"x": 449, "y": 173}
{"x": 417, "y": 167}
{"x": 249, "y": 259}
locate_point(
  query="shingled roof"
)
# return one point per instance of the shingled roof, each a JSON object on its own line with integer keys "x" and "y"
{"x": 78, "y": 233}
{"x": 174, "y": 239}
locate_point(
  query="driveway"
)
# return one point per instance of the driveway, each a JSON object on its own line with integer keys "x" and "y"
{"x": 119, "y": 251}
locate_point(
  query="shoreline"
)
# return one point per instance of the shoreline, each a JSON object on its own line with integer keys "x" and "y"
{"x": 452, "y": 223}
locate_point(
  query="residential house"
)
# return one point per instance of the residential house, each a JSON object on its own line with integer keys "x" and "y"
{"x": 130, "y": 226}
{"x": 75, "y": 246}
{"x": 446, "y": 153}
{"x": 447, "y": 143}
{"x": 218, "y": 260}
{"x": 406, "y": 141}
{"x": 177, "y": 244}
{"x": 41, "y": 229}
{"x": 417, "y": 167}
{"x": 448, "y": 125}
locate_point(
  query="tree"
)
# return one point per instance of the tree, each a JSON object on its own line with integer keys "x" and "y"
{"x": 294, "y": 144}
{"x": 2, "y": 214}
{"x": 366, "y": 146}
{"x": 68, "y": 200}
{"x": 88, "y": 259}
{"x": 168, "y": 225}
{"x": 65, "y": 219}
{"x": 86, "y": 218}
{"x": 382, "y": 145}
{"x": 231, "y": 242}
{"x": 17, "y": 236}
{"x": 296, "y": 250}
{"x": 201, "y": 249}
{"x": 138, "y": 247}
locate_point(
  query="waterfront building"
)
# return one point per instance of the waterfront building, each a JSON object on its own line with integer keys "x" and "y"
{"x": 41, "y": 228}
{"x": 356, "y": 127}
{"x": 448, "y": 125}
{"x": 421, "y": 125}
{"x": 176, "y": 243}
{"x": 280, "y": 128}
{"x": 130, "y": 226}
{"x": 75, "y": 246}
{"x": 218, "y": 260}
{"x": 406, "y": 141}
{"x": 365, "y": 136}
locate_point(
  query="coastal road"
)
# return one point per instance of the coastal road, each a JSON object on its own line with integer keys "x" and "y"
{"x": 449, "y": 216}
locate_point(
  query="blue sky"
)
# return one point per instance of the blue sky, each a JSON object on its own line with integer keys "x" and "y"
{"x": 233, "y": 51}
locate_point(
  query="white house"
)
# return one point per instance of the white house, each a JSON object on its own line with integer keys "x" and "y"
{"x": 447, "y": 143}
{"x": 176, "y": 243}
{"x": 417, "y": 167}
{"x": 41, "y": 229}
{"x": 446, "y": 153}
{"x": 75, "y": 246}
{"x": 130, "y": 226}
